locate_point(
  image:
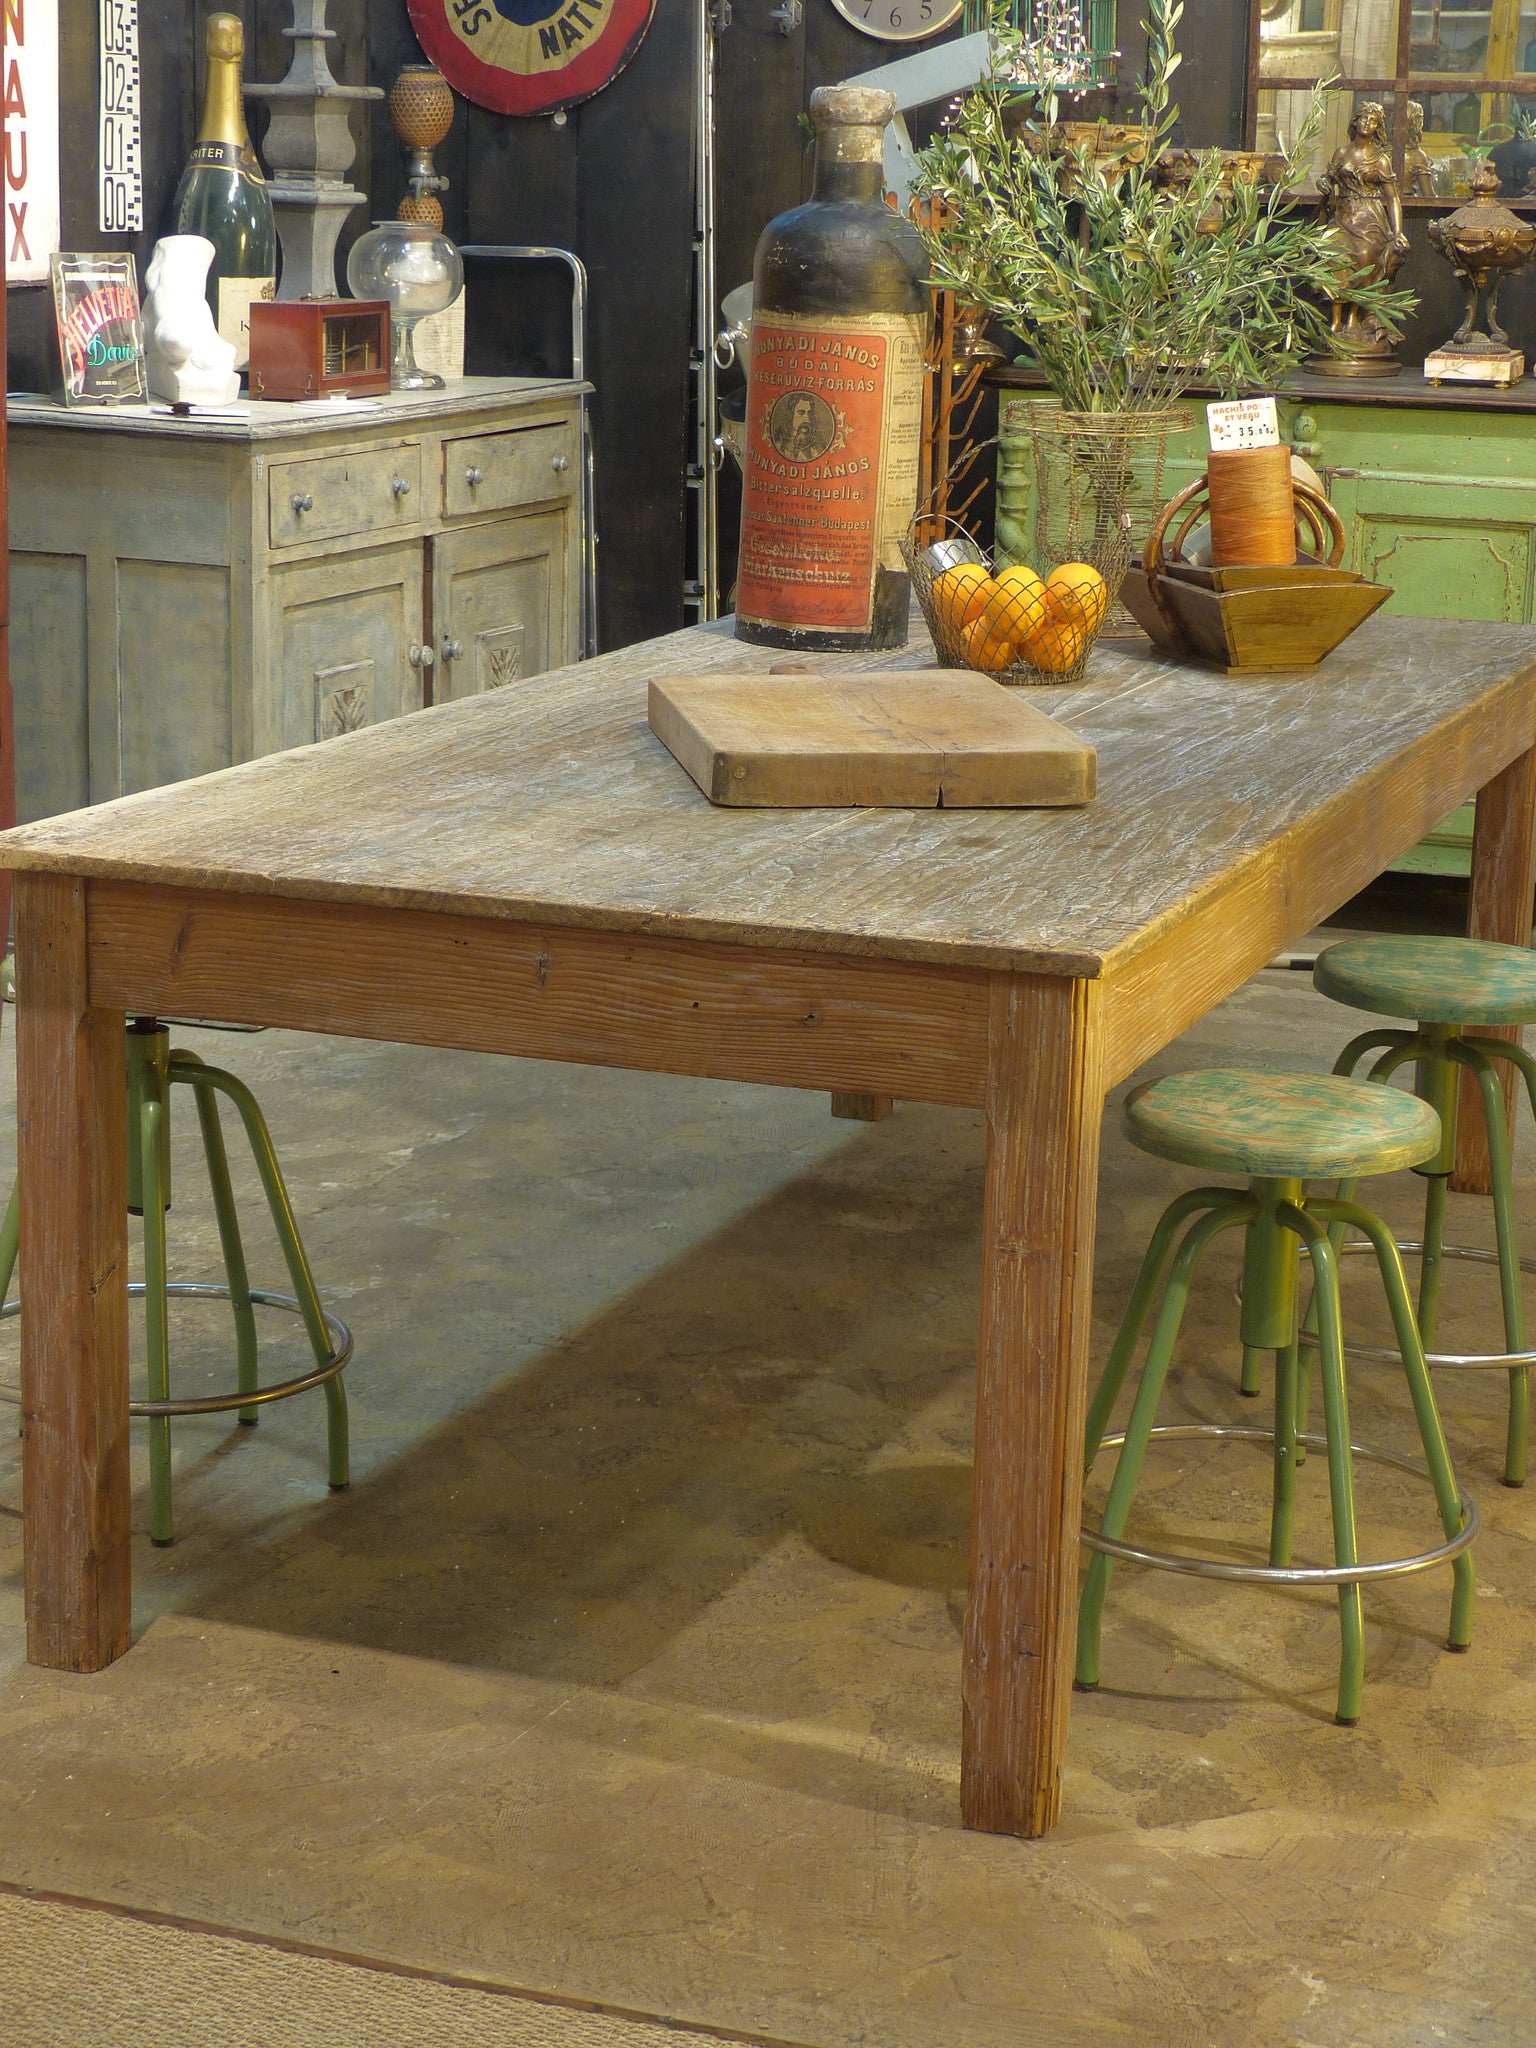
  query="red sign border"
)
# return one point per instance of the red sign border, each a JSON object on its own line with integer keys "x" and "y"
{"x": 543, "y": 92}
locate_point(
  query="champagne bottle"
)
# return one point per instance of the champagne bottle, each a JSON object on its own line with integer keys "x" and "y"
{"x": 840, "y": 318}
{"x": 222, "y": 193}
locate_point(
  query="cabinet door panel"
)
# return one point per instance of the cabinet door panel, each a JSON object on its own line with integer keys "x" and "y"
{"x": 1448, "y": 552}
{"x": 498, "y": 597}
{"x": 173, "y": 645}
{"x": 345, "y": 631}
{"x": 48, "y": 673}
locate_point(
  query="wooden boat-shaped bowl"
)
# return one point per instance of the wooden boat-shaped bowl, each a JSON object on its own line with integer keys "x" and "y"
{"x": 1246, "y": 618}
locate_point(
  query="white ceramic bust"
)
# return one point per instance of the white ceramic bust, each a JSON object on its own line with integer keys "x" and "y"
{"x": 190, "y": 363}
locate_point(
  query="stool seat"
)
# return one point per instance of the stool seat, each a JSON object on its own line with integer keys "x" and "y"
{"x": 1434, "y": 981}
{"x": 1281, "y": 1126}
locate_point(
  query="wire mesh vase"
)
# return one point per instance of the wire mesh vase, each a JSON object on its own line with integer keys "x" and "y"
{"x": 1081, "y": 487}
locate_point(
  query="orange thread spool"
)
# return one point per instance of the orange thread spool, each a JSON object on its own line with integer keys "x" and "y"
{"x": 1253, "y": 510}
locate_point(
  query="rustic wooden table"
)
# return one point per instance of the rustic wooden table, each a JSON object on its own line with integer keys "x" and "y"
{"x": 529, "y": 872}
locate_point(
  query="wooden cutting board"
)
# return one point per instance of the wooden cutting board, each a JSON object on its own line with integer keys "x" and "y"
{"x": 903, "y": 738}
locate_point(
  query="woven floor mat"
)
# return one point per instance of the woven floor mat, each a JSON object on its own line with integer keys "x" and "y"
{"x": 83, "y": 1976}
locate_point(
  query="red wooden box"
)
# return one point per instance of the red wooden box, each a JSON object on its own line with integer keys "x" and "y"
{"x": 312, "y": 348}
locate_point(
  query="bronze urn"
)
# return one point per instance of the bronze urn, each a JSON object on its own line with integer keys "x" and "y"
{"x": 1484, "y": 243}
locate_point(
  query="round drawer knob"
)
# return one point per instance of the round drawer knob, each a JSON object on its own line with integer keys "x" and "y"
{"x": 421, "y": 657}
{"x": 474, "y": 476}
{"x": 560, "y": 464}
{"x": 302, "y": 502}
{"x": 399, "y": 486}
{"x": 452, "y": 649}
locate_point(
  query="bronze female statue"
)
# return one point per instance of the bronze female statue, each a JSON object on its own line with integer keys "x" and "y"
{"x": 1359, "y": 199}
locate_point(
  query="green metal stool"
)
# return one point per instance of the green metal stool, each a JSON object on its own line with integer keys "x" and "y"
{"x": 1449, "y": 987}
{"x": 153, "y": 1069}
{"x": 1281, "y": 1130}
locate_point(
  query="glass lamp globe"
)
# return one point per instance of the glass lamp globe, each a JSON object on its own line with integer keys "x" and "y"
{"x": 416, "y": 267}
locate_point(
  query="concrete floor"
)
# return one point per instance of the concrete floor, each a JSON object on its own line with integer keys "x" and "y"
{"x": 628, "y": 1668}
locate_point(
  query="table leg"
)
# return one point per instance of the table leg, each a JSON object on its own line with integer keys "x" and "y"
{"x": 71, "y": 1143}
{"x": 1498, "y": 907}
{"x": 1045, "y": 1098}
{"x": 867, "y": 1109}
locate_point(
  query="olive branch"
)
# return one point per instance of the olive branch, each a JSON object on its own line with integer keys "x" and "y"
{"x": 1124, "y": 288}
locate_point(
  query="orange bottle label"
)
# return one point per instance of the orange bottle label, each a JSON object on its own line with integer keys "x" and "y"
{"x": 834, "y": 416}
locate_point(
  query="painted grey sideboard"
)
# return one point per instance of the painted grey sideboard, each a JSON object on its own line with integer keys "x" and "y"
{"x": 187, "y": 593}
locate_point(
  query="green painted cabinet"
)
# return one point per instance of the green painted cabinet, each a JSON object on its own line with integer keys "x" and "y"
{"x": 1437, "y": 491}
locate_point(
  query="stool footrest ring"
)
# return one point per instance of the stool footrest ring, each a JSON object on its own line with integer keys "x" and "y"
{"x": 1288, "y": 1575}
{"x": 217, "y": 1404}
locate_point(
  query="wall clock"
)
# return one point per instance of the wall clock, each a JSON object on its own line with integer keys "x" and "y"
{"x": 532, "y": 56}
{"x": 899, "y": 21}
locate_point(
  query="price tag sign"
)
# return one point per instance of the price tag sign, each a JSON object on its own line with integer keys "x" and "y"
{"x": 1243, "y": 423}
{"x": 121, "y": 156}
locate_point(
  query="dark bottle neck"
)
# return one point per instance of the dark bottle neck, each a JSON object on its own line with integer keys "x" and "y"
{"x": 838, "y": 180}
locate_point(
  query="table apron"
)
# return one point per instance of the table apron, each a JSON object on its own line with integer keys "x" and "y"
{"x": 664, "y": 1005}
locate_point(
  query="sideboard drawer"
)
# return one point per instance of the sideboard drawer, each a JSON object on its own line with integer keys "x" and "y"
{"x": 332, "y": 495}
{"x": 491, "y": 472}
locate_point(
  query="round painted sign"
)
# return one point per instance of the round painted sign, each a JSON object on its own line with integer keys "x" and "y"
{"x": 530, "y": 56}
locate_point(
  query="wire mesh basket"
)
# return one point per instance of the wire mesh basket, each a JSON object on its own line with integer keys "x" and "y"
{"x": 1018, "y": 626}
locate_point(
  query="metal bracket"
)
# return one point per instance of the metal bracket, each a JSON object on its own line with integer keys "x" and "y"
{"x": 787, "y": 16}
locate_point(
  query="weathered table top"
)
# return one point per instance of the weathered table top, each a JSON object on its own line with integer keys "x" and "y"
{"x": 552, "y": 802}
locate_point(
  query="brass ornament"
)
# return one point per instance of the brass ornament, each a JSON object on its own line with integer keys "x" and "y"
{"x": 1484, "y": 243}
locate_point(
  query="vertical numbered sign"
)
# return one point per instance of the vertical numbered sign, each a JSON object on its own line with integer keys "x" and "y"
{"x": 31, "y": 59}
{"x": 119, "y": 155}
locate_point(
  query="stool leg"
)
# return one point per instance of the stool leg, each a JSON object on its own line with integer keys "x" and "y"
{"x": 1341, "y": 1478}
{"x": 1251, "y": 1382}
{"x": 1344, "y": 1191}
{"x": 1282, "y": 1512}
{"x": 1509, "y": 1255}
{"x": 298, "y": 1265}
{"x": 1136, "y": 1309}
{"x": 1090, "y": 1613}
{"x": 10, "y": 1239}
{"x": 157, "y": 1342}
{"x": 1368, "y": 1041}
{"x": 1437, "y": 1085}
{"x": 1503, "y": 1049}
{"x": 184, "y": 1067}
{"x": 1427, "y": 1414}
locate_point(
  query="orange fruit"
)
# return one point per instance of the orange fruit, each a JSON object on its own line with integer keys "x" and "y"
{"x": 989, "y": 647}
{"x": 1017, "y": 603}
{"x": 1057, "y": 642}
{"x": 959, "y": 595}
{"x": 1076, "y": 591}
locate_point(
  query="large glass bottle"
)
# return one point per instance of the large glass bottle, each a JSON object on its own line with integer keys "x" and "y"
{"x": 840, "y": 319}
{"x": 223, "y": 195}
